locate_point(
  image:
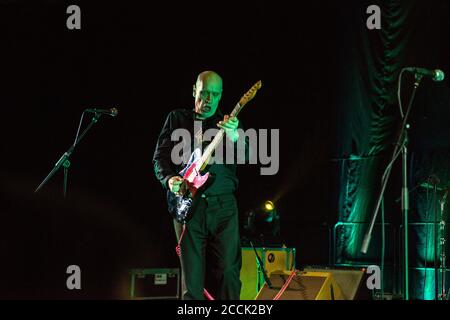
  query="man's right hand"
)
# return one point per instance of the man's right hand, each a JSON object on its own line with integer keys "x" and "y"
{"x": 177, "y": 185}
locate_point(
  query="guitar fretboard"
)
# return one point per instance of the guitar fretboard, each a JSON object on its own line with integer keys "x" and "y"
{"x": 217, "y": 140}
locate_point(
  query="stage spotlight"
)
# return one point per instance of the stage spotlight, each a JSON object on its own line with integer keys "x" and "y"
{"x": 262, "y": 225}
{"x": 268, "y": 206}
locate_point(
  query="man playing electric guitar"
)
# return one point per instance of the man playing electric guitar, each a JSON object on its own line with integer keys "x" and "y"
{"x": 212, "y": 229}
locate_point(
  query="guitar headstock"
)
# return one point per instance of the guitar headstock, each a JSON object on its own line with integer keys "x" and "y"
{"x": 250, "y": 94}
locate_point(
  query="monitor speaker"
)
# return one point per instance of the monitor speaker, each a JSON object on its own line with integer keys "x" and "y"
{"x": 303, "y": 286}
{"x": 351, "y": 281}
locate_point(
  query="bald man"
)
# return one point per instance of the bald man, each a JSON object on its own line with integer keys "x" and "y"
{"x": 213, "y": 231}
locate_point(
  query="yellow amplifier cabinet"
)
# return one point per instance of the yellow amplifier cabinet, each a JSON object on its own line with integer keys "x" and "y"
{"x": 303, "y": 286}
{"x": 273, "y": 259}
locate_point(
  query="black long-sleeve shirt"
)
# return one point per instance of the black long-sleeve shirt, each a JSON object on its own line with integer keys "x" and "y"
{"x": 225, "y": 180}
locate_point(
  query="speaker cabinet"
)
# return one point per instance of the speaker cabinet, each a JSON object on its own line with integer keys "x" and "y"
{"x": 303, "y": 286}
{"x": 151, "y": 284}
{"x": 273, "y": 259}
{"x": 351, "y": 281}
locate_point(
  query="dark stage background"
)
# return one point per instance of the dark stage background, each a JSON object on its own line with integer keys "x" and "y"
{"x": 143, "y": 59}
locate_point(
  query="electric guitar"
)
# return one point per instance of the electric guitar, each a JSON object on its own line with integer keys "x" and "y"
{"x": 182, "y": 205}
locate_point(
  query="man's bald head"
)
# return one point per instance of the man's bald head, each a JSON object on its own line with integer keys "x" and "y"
{"x": 209, "y": 76}
{"x": 207, "y": 93}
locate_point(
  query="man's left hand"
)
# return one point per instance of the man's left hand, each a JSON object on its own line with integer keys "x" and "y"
{"x": 230, "y": 125}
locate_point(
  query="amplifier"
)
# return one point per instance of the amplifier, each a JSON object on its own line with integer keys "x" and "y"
{"x": 273, "y": 259}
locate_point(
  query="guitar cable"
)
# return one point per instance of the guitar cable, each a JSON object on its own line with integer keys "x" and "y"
{"x": 178, "y": 250}
{"x": 178, "y": 247}
{"x": 286, "y": 284}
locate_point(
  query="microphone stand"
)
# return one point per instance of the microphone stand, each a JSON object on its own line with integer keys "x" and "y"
{"x": 443, "y": 294}
{"x": 400, "y": 147}
{"x": 261, "y": 267}
{"x": 64, "y": 160}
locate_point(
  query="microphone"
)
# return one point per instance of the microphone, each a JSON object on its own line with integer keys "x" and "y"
{"x": 110, "y": 112}
{"x": 436, "y": 75}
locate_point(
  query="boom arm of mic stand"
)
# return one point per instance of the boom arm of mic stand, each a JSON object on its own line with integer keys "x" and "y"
{"x": 64, "y": 160}
{"x": 385, "y": 179}
{"x": 398, "y": 146}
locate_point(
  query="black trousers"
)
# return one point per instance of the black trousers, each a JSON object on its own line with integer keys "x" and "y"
{"x": 211, "y": 235}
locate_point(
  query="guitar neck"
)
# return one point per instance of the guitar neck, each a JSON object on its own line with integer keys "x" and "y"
{"x": 217, "y": 139}
{"x": 236, "y": 110}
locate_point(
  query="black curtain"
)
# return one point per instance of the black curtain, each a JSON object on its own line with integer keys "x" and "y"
{"x": 412, "y": 34}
